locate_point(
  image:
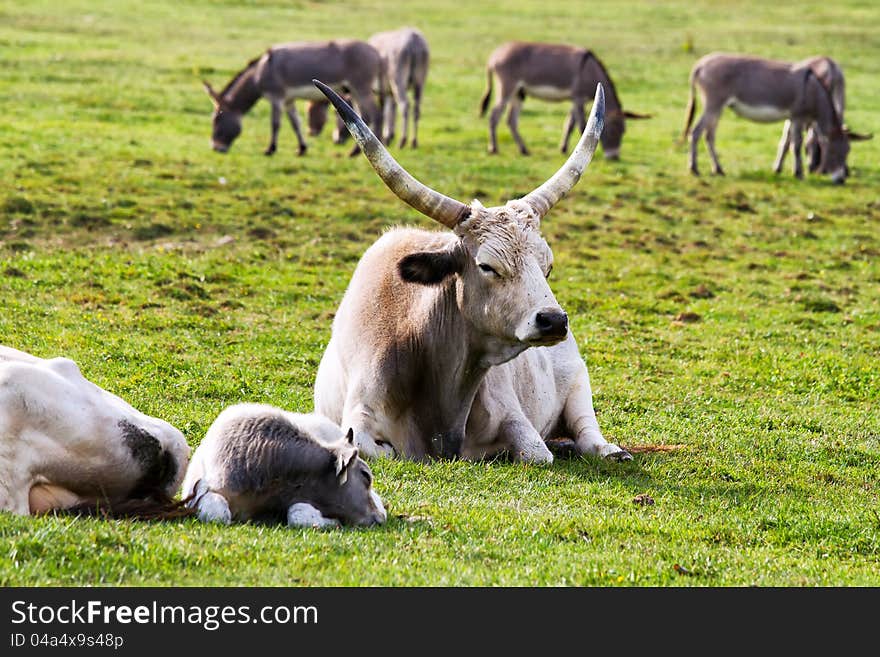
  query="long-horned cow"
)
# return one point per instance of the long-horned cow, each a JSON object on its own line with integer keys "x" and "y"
{"x": 452, "y": 344}
{"x": 65, "y": 442}
{"x": 766, "y": 90}
{"x": 551, "y": 72}
{"x": 283, "y": 74}
{"x": 259, "y": 462}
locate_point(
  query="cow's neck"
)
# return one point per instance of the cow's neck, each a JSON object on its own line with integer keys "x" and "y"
{"x": 456, "y": 359}
{"x": 242, "y": 92}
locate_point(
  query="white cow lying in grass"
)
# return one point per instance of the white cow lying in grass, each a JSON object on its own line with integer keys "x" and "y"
{"x": 65, "y": 442}
{"x": 258, "y": 462}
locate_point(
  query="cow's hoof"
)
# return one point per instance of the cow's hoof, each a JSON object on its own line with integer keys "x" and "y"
{"x": 619, "y": 456}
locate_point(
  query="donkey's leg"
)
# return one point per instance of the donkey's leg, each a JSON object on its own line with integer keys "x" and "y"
{"x": 417, "y": 113}
{"x": 389, "y": 114}
{"x": 784, "y": 143}
{"x": 797, "y": 137}
{"x": 398, "y": 90}
{"x": 504, "y": 95}
{"x": 513, "y": 121}
{"x": 813, "y": 149}
{"x": 696, "y": 133}
{"x": 276, "y": 123}
{"x": 710, "y": 145}
{"x": 293, "y": 116}
{"x": 568, "y": 126}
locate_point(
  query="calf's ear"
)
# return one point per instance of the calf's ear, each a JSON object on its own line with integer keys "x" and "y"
{"x": 345, "y": 456}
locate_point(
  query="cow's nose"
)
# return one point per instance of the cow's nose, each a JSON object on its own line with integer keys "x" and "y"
{"x": 552, "y": 324}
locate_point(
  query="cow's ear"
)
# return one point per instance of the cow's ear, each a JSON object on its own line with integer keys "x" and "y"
{"x": 430, "y": 267}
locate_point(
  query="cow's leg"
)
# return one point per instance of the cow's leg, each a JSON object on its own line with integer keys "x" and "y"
{"x": 797, "y": 139}
{"x": 580, "y": 418}
{"x": 359, "y": 417}
{"x": 513, "y": 121}
{"x": 14, "y": 496}
{"x": 276, "y": 124}
{"x": 505, "y": 93}
{"x": 523, "y": 442}
{"x": 784, "y": 143}
{"x": 210, "y": 506}
{"x": 293, "y": 116}
{"x": 417, "y": 113}
{"x": 45, "y": 498}
{"x": 303, "y": 514}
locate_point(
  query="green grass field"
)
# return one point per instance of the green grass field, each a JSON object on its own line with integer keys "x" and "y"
{"x": 185, "y": 281}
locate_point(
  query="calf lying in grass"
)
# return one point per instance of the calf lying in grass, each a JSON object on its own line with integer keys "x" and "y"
{"x": 258, "y": 462}
{"x": 66, "y": 443}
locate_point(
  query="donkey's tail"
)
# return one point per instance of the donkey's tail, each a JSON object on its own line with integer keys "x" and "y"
{"x": 691, "y": 106}
{"x": 488, "y": 95}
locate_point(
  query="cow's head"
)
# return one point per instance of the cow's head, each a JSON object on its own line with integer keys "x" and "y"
{"x": 226, "y": 122}
{"x": 344, "y": 488}
{"x": 500, "y": 259}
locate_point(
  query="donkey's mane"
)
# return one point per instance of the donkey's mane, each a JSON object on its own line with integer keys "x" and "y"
{"x": 589, "y": 54}
{"x": 239, "y": 75}
{"x": 837, "y": 121}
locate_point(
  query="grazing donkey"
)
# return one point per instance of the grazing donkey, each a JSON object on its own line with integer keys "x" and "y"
{"x": 552, "y": 72}
{"x": 765, "y": 90}
{"x": 65, "y": 442}
{"x": 283, "y": 74}
{"x": 263, "y": 463}
{"x": 831, "y": 76}
{"x": 451, "y": 344}
{"x": 405, "y": 55}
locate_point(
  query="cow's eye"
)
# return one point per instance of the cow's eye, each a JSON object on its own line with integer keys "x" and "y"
{"x": 487, "y": 269}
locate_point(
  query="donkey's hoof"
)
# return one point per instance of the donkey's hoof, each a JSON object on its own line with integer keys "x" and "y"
{"x": 302, "y": 150}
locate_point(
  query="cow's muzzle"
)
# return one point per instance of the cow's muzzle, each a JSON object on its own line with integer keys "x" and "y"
{"x": 552, "y": 325}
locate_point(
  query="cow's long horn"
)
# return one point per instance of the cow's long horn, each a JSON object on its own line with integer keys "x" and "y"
{"x": 548, "y": 194}
{"x": 447, "y": 211}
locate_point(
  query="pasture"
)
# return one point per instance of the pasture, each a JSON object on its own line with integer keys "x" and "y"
{"x": 732, "y": 324}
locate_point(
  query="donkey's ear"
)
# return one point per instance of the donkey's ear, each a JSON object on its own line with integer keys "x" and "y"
{"x": 636, "y": 115}
{"x": 215, "y": 97}
{"x": 349, "y": 437}
{"x": 856, "y": 136}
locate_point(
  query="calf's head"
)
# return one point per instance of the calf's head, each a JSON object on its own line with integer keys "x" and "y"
{"x": 500, "y": 258}
{"x": 225, "y": 122}
{"x": 344, "y": 488}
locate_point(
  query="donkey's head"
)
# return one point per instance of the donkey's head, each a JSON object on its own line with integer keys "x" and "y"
{"x": 226, "y": 122}
{"x": 500, "y": 260}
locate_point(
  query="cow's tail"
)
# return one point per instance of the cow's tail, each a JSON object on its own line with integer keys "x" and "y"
{"x": 156, "y": 506}
{"x": 488, "y": 95}
{"x": 691, "y": 107}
